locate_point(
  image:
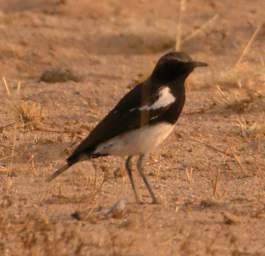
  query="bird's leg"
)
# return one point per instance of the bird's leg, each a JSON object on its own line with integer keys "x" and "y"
{"x": 128, "y": 165}
{"x": 140, "y": 170}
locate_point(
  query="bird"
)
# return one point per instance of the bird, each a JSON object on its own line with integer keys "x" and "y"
{"x": 141, "y": 120}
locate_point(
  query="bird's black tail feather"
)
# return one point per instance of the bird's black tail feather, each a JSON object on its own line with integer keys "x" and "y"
{"x": 58, "y": 172}
{"x": 73, "y": 159}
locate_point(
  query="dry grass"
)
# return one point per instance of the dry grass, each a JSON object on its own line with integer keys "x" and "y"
{"x": 237, "y": 90}
{"x": 25, "y": 112}
{"x": 232, "y": 99}
{"x": 249, "y": 129}
{"x": 28, "y": 113}
{"x": 189, "y": 175}
{"x": 201, "y": 28}
{"x": 241, "y": 77}
{"x": 214, "y": 182}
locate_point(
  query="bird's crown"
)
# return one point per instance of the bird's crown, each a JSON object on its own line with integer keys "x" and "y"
{"x": 174, "y": 66}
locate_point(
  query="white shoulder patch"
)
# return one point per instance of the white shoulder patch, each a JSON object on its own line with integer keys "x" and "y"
{"x": 165, "y": 98}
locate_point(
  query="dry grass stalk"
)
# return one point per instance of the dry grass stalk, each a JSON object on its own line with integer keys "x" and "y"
{"x": 6, "y": 86}
{"x": 238, "y": 161}
{"x": 182, "y": 8}
{"x": 210, "y": 146}
{"x": 95, "y": 182}
{"x": 202, "y": 28}
{"x": 214, "y": 183}
{"x": 189, "y": 172}
{"x": 13, "y": 146}
{"x": 33, "y": 165}
{"x": 73, "y": 132}
{"x": 231, "y": 155}
{"x": 248, "y": 45}
{"x": 10, "y": 166}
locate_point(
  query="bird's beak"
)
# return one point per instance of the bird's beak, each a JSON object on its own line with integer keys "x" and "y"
{"x": 199, "y": 64}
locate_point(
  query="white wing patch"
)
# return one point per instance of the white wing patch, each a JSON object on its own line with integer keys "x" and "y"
{"x": 165, "y": 98}
{"x": 132, "y": 109}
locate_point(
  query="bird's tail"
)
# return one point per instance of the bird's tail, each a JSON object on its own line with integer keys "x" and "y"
{"x": 58, "y": 172}
{"x": 73, "y": 159}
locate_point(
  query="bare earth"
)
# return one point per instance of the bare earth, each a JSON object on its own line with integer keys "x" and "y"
{"x": 208, "y": 175}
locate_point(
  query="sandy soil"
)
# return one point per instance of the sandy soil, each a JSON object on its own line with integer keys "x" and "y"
{"x": 208, "y": 176}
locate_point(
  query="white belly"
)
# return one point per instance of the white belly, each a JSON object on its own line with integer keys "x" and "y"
{"x": 136, "y": 142}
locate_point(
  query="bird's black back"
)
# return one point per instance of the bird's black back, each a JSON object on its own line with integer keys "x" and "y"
{"x": 127, "y": 115}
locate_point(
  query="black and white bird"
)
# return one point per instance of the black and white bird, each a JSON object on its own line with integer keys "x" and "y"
{"x": 141, "y": 120}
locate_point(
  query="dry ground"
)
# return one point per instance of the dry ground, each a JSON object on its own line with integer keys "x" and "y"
{"x": 209, "y": 175}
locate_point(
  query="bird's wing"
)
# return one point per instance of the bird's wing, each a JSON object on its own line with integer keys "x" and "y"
{"x": 132, "y": 112}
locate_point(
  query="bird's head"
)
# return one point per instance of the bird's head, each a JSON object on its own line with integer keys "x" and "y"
{"x": 174, "y": 66}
